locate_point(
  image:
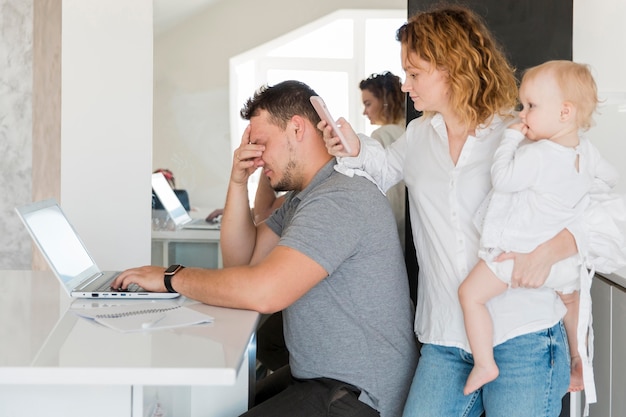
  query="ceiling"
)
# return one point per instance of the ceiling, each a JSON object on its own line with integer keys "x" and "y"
{"x": 168, "y": 13}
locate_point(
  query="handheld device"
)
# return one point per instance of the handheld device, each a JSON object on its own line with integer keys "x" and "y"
{"x": 322, "y": 110}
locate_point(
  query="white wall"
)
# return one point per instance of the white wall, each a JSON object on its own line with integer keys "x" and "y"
{"x": 106, "y": 127}
{"x": 191, "y": 91}
{"x": 600, "y": 41}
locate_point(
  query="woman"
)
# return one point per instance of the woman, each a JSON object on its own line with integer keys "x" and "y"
{"x": 457, "y": 75}
{"x": 383, "y": 104}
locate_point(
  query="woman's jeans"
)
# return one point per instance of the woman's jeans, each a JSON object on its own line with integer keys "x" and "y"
{"x": 534, "y": 377}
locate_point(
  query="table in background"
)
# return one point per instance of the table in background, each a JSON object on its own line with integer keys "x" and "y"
{"x": 55, "y": 364}
{"x": 200, "y": 248}
{"x": 189, "y": 247}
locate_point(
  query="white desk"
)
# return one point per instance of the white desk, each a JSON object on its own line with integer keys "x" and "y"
{"x": 55, "y": 364}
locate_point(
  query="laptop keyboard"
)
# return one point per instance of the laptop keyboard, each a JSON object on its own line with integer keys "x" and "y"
{"x": 105, "y": 286}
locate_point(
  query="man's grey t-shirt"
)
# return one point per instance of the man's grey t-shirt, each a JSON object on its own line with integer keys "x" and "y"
{"x": 356, "y": 325}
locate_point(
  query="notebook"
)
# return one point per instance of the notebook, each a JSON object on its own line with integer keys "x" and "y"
{"x": 174, "y": 207}
{"x": 67, "y": 256}
{"x": 143, "y": 316}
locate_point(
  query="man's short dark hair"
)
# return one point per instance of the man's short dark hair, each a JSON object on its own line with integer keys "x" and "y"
{"x": 282, "y": 101}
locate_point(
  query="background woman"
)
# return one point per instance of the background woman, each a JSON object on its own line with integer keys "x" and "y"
{"x": 383, "y": 104}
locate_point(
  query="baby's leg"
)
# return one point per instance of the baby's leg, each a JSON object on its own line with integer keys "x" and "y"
{"x": 479, "y": 287}
{"x": 570, "y": 321}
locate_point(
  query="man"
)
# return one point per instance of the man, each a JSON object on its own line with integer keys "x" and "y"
{"x": 329, "y": 258}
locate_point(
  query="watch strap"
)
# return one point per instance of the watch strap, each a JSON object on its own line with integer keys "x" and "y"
{"x": 169, "y": 274}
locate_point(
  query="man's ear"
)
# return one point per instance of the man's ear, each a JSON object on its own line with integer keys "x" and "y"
{"x": 297, "y": 123}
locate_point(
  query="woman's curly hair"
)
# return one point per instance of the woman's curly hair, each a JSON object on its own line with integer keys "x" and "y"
{"x": 455, "y": 39}
{"x": 387, "y": 87}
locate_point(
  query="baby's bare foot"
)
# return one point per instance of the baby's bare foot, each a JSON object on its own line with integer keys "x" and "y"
{"x": 479, "y": 376}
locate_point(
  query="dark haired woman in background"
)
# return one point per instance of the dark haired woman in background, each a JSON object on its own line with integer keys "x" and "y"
{"x": 383, "y": 103}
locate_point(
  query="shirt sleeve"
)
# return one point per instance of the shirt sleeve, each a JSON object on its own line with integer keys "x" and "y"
{"x": 384, "y": 166}
{"x": 514, "y": 168}
{"x": 600, "y": 235}
{"x": 606, "y": 175}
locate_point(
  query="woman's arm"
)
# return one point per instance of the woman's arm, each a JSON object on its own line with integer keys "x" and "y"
{"x": 531, "y": 270}
{"x": 384, "y": 166}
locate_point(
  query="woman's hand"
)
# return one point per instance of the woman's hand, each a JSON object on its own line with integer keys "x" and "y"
{"x": 530, "y": 270}
{"x": 333, "y": 143}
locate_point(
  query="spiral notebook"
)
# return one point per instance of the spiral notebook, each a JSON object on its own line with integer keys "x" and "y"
{"x": 145, "y": 316}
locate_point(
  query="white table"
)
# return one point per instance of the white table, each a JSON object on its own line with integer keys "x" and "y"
{"x": 189, "y": 247}
{"x": 55, "y": 364}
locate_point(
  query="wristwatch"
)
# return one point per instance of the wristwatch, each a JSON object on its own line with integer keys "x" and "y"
{"x": 169, "y": 273}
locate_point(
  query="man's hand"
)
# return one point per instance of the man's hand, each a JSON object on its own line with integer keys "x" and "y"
{"x": 150, "y": 278}
{"x": 247, "y": 158}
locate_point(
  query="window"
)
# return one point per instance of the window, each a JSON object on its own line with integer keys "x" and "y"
{"x": 332, "y": 55}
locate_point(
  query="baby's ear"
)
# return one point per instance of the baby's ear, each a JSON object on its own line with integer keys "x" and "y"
{"x": 567, "y": 111}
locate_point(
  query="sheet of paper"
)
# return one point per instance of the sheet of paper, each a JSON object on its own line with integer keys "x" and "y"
{"x": 145, "y": 316}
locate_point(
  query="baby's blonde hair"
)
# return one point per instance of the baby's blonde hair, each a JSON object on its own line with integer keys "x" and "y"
{"x": 576, "y": 84}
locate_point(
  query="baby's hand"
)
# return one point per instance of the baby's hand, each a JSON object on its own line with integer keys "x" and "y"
{"x": 520, "y": 127}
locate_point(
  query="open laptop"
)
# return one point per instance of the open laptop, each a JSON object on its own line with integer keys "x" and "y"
{"x": 67, "y": 256}
{"x": 174, "y": 207}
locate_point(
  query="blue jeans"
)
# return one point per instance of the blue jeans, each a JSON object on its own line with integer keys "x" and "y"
{"x": 534, "y": 377}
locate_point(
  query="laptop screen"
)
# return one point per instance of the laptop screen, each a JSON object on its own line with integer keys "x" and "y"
{"x": 169, "y": 200}
{"x": 58, "y": 242}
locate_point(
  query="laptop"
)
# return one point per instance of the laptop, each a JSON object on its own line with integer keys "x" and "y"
{"x": 68, "y": 258}
{"x": 174, "y": 207}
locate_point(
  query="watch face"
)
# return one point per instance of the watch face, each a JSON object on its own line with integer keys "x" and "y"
{"x": 171, "y": 269}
